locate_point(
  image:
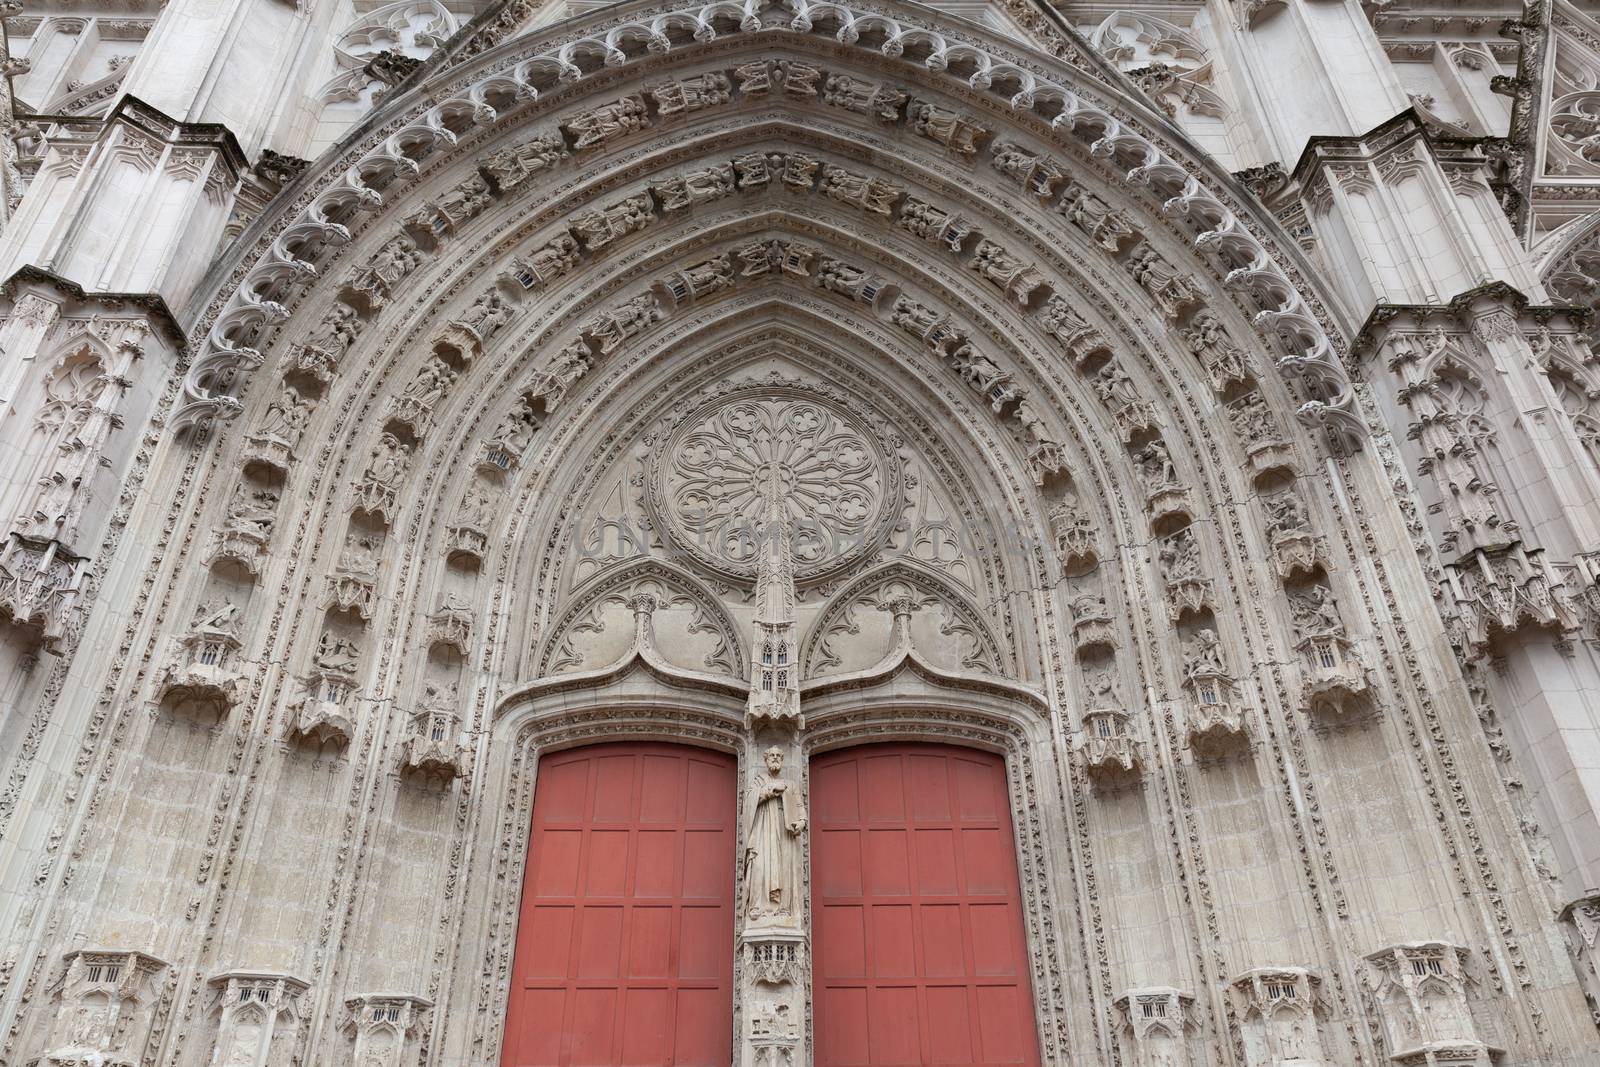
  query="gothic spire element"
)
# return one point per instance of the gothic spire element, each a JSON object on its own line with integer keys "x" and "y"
{"x": 775, "y": 660}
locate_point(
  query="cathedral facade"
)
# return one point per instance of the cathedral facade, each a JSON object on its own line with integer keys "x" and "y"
{"x": 792, "y": 533}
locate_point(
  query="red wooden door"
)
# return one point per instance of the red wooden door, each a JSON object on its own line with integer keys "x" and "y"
{"x": 916, "y": 915}
{"x": 625, "y": 944}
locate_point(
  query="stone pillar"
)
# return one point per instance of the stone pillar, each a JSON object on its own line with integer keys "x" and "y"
{"x": 1506, "y": 486}
{"x": 774, "y": 947}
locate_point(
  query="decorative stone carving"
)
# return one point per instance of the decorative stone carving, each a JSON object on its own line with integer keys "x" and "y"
{"x": 504, "y": 447}
{"x": 692, "y": 283}
{"x": 451, "y": 625}
{"x": 928, "y": 325}
{"x": 1215, "y": 718}
{"x": 1225, "y": 362}
{"x": 1039, "y": 175}
{"x": 1018, "y": 280}
{"x": 879, "y": 101}
{"x": 1105, "y": 226}
{"x": 1092, "y": 628}
{"x": 467, "y": 532}
{"x": 1277, "y": 1010}
{"x": 383, "y": 1029}
{"x": 353, "y": 584}
{"x": 246, "y": 529}
{"x": 1166, "y": 497}
{"x": 691, "y": 94}
{"x": 378, "y": 486}
{"x": 1081, "y": 341}
{"x": 374, "y": 282}
{"x": 106, "y": 1003}
{"x": 775, "y": 960}
{"x": 1502, "y": 592}
{"x": 609, "y": 122}
{"x": 456, "y": 208}
{"x": 1296, "y": 551}
{"x": 799, "y": 171}
{"x": 775, "y": 821}
{"x": 1188, "y": 590}
{"x": 322, "y": 714}
{"x": 1581, "y": 924}
{"x": 1074, "y": 534}
{"x": 1155, "y": 1023}
{"x": 1336, "y": 680}
{"x": 433, "y": 750}
{"x": 774, "y": 1035}
{"x": 694, "y": 187}
{"x": 945, "y": 127}
{"x": 413, "y": 406}
{"x": 549, "y": 386}
{"x": 600, "y": 227}
{"x": 850, "y": 281}
{"x": 612, "y": 328}
{"x": 1172, "y": 290}
{"x": 799, "y": 79}
{"x": 510, "y": 167}
{"x": 1111, "y": 754}
{"x": 467, "y": 335}
{"x": 984, "y": 376}
{"x": 775, "y": 647}
{"x": 1421, "y": 991}
{"x": 901, "y": 606}
{"x": 1132, "y": 414}
{"x": 760, "y": 258}
{"x": 681, "y": 621}
{"x": 933, "y": 224}
{"x": 261, "y": 1019}
{"x": 712, "y": 475}
{"x": 206, "y": 672}
{"x": 551, "y": 260}
{"x": 868, "y": 192}
{"x": 274, "y": 439}
{"x": 39, "y": 585}
{"x": 1259, "y": 432}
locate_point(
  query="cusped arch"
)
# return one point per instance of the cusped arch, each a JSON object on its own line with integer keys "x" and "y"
{"x": 702, "y": 635}
{"x": 860, "y": 625}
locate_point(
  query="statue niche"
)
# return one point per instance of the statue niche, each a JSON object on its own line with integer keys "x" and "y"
{"x": 775, "y": 821}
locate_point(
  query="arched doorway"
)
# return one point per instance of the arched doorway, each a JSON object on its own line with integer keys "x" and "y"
{"x": 625, "y": 944}
{"x": 916, "y": 912}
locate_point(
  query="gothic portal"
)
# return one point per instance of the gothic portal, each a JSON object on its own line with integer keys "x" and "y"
{"x": 788, "y": 534}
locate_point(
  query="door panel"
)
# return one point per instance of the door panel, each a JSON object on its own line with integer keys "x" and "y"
{"x": 625, "y": 943}
{"x": 916, "y": 915}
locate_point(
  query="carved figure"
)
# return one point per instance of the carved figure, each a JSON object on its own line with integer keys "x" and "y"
{"x": 337, "y": 654}
{"x": 1180, "y": 557}
{"x": 1285, "y": 515}
{"x": 1203, "y": 655}
{"x": 1102, "y": 686}
{"x": 215, "y": 616}
{"x": 285, "y": 418}
{"x": 486, "y": 315}
{"x": 1033, "y": 423}
{"x": 510, "y": 167}
{"x": 251, "y": 512}
{"x": 772, "y": 847}
{"x": 1316, "y": 613}
{"x": 609, "y": 122}
{"x": 1155, "y": 465}
{"x": 476, "y": 507}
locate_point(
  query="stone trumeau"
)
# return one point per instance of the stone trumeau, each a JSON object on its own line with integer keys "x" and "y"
{"x": 790, "y": 534}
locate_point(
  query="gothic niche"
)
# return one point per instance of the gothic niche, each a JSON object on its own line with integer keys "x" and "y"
{"x": 1155, "y": 1026}
{"x": 1277, "y": 1009}
{"x": 203, "y": 676}
{"x": 105, "y": 1006}
{"x": 261, "y": 1018}
{"x": 1421, "y": 989}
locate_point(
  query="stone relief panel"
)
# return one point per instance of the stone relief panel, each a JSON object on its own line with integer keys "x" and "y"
{"x": 691, "y": 628}
{"x": 857, "y": 628}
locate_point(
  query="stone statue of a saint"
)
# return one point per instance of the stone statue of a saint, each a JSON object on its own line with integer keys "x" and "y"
{"x": 775, "y": 821}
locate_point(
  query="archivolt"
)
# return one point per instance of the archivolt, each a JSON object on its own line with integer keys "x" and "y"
{"x": 488, "y": 90}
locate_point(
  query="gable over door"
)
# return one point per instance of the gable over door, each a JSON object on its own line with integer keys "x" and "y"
{"x": 915, "y": 910}
{"x": 625, "y": 942}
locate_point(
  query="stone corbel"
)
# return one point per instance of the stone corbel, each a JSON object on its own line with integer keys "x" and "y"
{"x": 1110, "y": 752}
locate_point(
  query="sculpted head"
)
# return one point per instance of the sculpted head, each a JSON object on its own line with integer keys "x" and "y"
{"x": 773, "y": 757}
